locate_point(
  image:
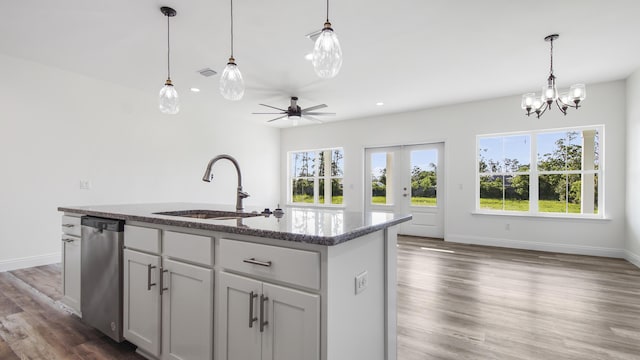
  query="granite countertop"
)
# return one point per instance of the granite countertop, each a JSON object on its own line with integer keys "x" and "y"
{"x": 308, "y": 225}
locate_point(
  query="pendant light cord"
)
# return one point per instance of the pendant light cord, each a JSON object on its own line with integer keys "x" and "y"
{"x": 327, "y": 10}
{"x": 551, "y": 67}
{"x": 168, "y": 52}
{"x": 231, "y": 28}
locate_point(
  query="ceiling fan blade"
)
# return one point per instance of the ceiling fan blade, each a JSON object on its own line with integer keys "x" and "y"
{"x": 270, "y": 113}
{"x": 312, "y": 119}
{"x": 278, "y": 118}
{"x": 317, "y": 113}
{"x": 315, "y": 107}
{"x": 273, "y": 107}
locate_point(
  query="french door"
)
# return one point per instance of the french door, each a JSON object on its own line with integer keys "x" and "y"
{"x": 407, "y": 179}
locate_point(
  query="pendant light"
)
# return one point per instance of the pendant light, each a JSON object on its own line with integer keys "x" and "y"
{"x": 169, "y": 101}
{"x": 327, "y": 55}
{"x": 538, "y": 105}
{"x": 231, "y": 82}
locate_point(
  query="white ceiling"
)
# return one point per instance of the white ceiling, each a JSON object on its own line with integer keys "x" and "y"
{"x": 409, "y": 54}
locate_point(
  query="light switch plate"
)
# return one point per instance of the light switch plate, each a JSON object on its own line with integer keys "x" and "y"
{"x": 362, "y": 280}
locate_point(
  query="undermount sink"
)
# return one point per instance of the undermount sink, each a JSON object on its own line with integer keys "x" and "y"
{"x": 210, "y": 214}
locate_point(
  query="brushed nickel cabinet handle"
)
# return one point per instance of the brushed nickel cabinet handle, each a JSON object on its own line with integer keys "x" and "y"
{"x": 257, "y": 262}
{"x": 68, "y": 240}
{"x": 149, "y": 284}
{"x": 252, "y": 318}
{"x": 263, "y": 323}
{"x": 68, "y": 225}
{"x": 162, "y": 288}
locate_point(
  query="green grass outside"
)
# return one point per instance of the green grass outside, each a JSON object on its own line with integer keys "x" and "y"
{"x": 308, "y": 199}
{"x": 550, "y": 206}
{"x": 417, "y": 201}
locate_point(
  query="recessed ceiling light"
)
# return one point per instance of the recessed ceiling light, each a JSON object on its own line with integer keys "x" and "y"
{"x": 380, "y": 103}
{"x": 309, "y": 56}
{"x": 195, "y": 90}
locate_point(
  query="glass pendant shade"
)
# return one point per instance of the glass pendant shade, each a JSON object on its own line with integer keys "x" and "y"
{"x": 169, "y": 101}
{"x": 527, "y": 100}
{"x": 578, "y": 92}
{"x": 327, "y": 55}
{"x": 231, "y": 82}
{"x": 549, "y": 93}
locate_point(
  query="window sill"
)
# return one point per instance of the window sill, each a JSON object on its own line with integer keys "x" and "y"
{"x": 541, "y": 215}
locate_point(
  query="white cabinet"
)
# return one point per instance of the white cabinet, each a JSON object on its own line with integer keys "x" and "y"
{"x": 187, "y": 312}
{"x": 71, "y": 246}
{"x": 259, "y": 320}
{"x": 142, "y": 301}
{"x": 168, "y": 304}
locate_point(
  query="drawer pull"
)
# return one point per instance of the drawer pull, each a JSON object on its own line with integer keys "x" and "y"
{"x": 68, "y": 240}
{"x": 68, "y": 225}
{"x": 252, "y": 318}
{"x": 263, "y": 322}
{"x": 149, "y": 284}
{"x": 257, "y": 262}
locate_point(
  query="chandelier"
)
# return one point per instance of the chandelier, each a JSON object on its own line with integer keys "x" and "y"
{"x": 538, "y": 105}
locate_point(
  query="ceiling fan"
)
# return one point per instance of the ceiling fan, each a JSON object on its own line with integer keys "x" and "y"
{"x": 295, "y": 112}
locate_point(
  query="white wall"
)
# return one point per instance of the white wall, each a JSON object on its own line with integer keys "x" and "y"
{"x": 458, "y": 126}
{"x": 58, "y": 127}
{"x": 633, "y": 169}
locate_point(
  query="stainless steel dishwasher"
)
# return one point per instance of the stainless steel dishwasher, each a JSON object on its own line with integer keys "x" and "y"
{"x": 101, "y": 275}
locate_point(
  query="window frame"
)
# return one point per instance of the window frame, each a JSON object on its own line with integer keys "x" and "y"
{"x": 316, "y": 178}
{"x": 534, "y": 174}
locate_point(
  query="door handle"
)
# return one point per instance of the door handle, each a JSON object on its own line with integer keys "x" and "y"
{"x": 149, "y": 284}
{"x": 263, "y": 323}
{"x": 162, "y": 288}
{"x": 252, "y": 318}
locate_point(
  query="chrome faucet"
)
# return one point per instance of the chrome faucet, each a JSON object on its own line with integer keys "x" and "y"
{"x": 208, "y": 176}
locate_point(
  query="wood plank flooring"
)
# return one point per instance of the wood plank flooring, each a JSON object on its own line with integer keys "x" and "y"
{"x": 472, "y": 302}
{"x": 454, "y": 302}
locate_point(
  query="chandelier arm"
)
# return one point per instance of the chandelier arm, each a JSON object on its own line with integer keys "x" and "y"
{"x": 545, "y": 108}
{"x": 562, "y": 108}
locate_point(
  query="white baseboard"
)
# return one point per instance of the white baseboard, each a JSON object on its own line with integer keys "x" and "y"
{"x": 632, "y": 258}
{"x": 30, "y": 261}
{"x": 531, "y": 245}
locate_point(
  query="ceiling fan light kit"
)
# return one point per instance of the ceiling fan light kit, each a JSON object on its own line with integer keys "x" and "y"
{"x": 169, "y": 103}
{"x": 231, "y": 81}
{"x": 531, "y": 103}
{"x": 327, "y": 54}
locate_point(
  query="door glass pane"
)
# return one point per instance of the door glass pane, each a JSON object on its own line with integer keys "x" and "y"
{"x": 379, "y": 178}
{"x": 424, "y": 181}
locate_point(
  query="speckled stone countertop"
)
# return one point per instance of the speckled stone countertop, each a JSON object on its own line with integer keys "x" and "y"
{"x": 309, "y": 225}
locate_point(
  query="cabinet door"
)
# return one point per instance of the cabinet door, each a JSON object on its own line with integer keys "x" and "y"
{"x": 239, "y": 336}
{"x": 187, "y": 312}
{"x": 71, "y": 272}
{"x": 142, "y": 301}
{"x": 293, "y": 329}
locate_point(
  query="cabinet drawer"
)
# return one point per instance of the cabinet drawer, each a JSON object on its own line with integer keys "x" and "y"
{"x": 195, "y": 248}
{"x": 71, "y": 225}
{"x": 142, "y": 238}
{"x": 299, "y": 267}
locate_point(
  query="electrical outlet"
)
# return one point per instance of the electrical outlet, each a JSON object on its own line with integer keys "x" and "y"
{"x": 362, "y": 281}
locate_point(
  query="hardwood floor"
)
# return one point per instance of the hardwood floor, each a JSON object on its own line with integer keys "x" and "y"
{"x": 473, "y": 302}
{"x": 454, "y": 302}
{"x": 33, "y": 325}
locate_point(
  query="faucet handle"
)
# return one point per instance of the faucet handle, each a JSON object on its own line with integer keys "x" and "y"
{"x": 243, "y": 194}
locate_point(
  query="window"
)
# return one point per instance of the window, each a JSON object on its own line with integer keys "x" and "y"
{"x": 541, "y": 172}
{"x": 315, "y": 177}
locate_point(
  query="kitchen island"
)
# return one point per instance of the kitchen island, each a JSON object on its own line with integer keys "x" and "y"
{"x": 306, "y": 284}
